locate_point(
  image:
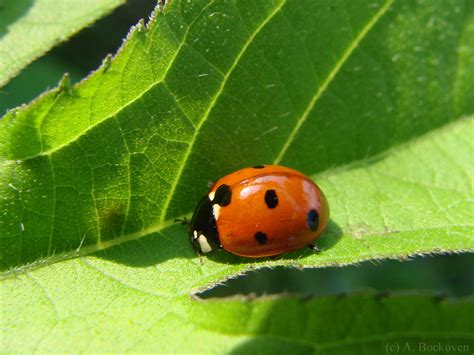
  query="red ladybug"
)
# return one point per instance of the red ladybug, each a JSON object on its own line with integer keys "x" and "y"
{"x": 260, "y": 211}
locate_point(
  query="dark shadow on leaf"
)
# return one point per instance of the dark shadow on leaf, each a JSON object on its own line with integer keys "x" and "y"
{"x": 173, "y": 242}
{"x": 155, "y": 248}
{"x": 330, "y": 237}
{"x": 434, "y": 273}
{"x": 11, "y": 13}
{"x": 328, "y": 240}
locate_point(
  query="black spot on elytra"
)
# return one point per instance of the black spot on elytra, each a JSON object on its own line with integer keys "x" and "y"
{"x": 258, "y": 166}
{"x": 271, "y": 199}
{"x": 312, "y": 218}
{"x": 223, "y": 195}
{"x": 261, "y": 238}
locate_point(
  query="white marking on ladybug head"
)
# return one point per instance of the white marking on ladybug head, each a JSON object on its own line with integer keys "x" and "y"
{"x": 211, "y": 195}
{"x": 216, "y": 209}
{"x": 204, "y": 245}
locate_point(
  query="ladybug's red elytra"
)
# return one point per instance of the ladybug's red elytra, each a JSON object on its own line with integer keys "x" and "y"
{"x": 260, "y": 211}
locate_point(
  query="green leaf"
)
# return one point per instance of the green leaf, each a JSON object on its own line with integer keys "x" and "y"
{"x": 133, "y": 147}
{"x": 29, "y": 28}
{"x": 373, "y": 100}
{"x": 136, "y": 315}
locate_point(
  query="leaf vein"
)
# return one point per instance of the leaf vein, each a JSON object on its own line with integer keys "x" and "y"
{"x": 332, "y": 74}
{"x": 125, "y": 105}
{"x": 211, "y": 106}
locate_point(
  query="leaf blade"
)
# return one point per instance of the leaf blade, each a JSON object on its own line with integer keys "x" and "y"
{"x": 107, "y": 177}
{"x": 168, "y": 148}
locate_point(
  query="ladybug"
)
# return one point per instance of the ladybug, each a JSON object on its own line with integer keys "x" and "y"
{"x": 260, "y": 211}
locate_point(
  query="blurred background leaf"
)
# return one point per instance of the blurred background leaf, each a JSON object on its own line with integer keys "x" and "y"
{"x": 29, "y": 28}
{"x": 78, "y": 56}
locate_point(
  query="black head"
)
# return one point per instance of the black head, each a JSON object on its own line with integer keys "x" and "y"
{"x": 202, "y": 229}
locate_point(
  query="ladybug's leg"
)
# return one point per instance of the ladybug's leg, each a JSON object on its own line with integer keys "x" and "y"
{"x": 197, "y": 251}
{"x": 275, "y": 257}
{"x": 200, "y": 254}
{"x": 314, "y": 248}
{"x": 214, "y": 249}
{"x": 183, "y": 221}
